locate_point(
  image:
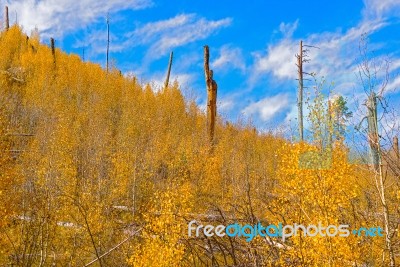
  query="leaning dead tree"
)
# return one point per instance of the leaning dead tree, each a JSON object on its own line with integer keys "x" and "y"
{"x": 169, "y": 70}
{"x": 211, "y": 95}
{"x": 6, "y": 18}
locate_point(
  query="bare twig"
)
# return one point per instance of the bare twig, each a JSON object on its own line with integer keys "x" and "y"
{"x": 113, "y": 248}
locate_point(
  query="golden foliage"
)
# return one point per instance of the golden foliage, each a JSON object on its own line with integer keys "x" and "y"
{"x": 101, "y": 157}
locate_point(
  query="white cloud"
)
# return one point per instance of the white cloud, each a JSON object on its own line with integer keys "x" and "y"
{"x": 148, "y": 31}
{"x": 229, "y": 58}
{"x": 158, "y": 38}
{"x": 279, "y": 61}
{"x": 157, "y": 80}
{"x": 164, "y": 35}
{"x": 287, "y": 29}
{"x": 268, "y": 107}
{"x": 335, "y": 57}
{"x": 225, "y": 105}
{"x": 280, "y": 58}
{"x": 346, "y": 87}
{"x": 380, "y": 8}
{"x": 184, "y": 79}
{"x": 394, "y": 65}
{"x": 291, "y": 116}
{"x": 58, "y": 17}
{"x": 394, "y": 85}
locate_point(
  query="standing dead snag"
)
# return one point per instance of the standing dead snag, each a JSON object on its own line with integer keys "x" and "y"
{"x": 330, "y": 123}
{"x": 169, "y": 70}
{"x": 53, "y": 50}
{"x": 300, "y": 91}
{"x": 211, "y": 95}
{"x": 108, "y": 40}
{"x": 396, "y": 149}
{"x": 6, "y": 18}
{"x": 373, "y": 130}
{"x": 368, "y": 74}
{"x": 302, "y": 57}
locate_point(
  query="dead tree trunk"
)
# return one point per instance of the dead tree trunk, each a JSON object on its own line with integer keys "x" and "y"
{"x": 368, "y": 79}
{"x": 6, "y": 18}
{"x": 169, "y": 70}
{"x": 53, "y": 50}
{"x": 300, "y": 91}
{"x": 330, "y": 124}
{"x": 373, "y": 131}
{"x": 396, "y": 149}
{"x": 376, "y": 161}
{"x": 211, "y": 95}
{"x": 108, "y": 41}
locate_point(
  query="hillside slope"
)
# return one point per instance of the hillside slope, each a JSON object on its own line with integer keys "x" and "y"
{"x": 96, "y": 166}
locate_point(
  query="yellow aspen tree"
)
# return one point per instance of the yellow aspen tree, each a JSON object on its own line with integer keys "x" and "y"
{"x": 164, "y": 228}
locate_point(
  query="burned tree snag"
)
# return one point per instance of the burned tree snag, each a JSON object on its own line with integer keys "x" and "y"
{"x": 211, "y": 95}
{"x": 169, "y": 70}
{"x": 302, "y": 58}
{"x": 53, "y": 50}
{"x": 300, "y": 91}
{"x": 6, "y": 18}
{"x": 108, "y": 41}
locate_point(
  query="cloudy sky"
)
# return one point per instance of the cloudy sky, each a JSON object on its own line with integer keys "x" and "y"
{"x": 252, "y": 45}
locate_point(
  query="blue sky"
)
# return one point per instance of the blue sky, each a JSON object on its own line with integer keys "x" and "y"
{"x": 252, "y": 45}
